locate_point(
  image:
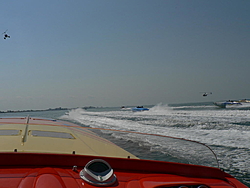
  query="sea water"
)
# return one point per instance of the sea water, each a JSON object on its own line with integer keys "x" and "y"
{"x": 226, "y": 131}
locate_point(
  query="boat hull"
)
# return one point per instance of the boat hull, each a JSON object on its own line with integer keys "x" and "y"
{"x": 25, "y": 162}
{"x": 139, "y": 109}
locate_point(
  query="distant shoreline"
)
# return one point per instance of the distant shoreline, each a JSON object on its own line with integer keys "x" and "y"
{"x": 49, "y": 109}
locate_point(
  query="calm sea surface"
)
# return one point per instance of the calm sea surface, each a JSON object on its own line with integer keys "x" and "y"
{"x": 226, "y": 131}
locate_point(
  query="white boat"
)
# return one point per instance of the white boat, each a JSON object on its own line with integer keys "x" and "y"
{"x": 233, "y": 103}
{"x": 125, "y": 108}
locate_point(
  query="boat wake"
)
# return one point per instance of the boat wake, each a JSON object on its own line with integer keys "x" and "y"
{"x": 226, "y": 131}
{"x": 212, "y": 127}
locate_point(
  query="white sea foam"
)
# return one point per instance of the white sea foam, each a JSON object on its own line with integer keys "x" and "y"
{"x": 205, "y": 126}
{"x": 222, "y": 129}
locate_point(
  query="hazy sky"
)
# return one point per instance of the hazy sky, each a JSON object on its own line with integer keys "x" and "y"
{"x": 123, "y": 52}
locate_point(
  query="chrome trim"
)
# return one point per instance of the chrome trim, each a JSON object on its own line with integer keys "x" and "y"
{"x": 98, "y": 172}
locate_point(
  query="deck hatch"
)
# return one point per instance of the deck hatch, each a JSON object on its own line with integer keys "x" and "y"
{"x": 9, "y": 132}
{"x": 51, "y": 134}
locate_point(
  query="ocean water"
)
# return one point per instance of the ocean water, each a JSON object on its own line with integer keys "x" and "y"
{"x": 226, "y": 131}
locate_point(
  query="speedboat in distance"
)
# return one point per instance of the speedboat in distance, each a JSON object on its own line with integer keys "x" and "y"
{"x": 125, "y": 108}
{"x": 42, "y": 153}
{"x": 139, "y": 109}
{"x": 233, "y": 103}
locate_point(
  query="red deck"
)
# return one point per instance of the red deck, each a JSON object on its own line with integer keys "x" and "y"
{"x": 52, "y": 170}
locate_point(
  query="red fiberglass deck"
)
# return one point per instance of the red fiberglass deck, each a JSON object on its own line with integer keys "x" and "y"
{"x": 27, "y": 164}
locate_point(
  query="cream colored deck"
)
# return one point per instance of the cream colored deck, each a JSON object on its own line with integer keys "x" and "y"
{"x": 45, "y": 136}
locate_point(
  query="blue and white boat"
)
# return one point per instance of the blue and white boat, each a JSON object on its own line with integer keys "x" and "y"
{"x": 233, "y": 103}
{"x": 139, "y": 109}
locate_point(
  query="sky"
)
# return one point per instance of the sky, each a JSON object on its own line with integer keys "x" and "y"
{"x": 123, "y": 52}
